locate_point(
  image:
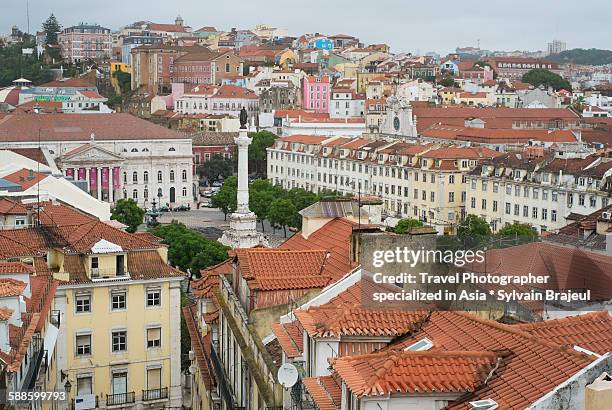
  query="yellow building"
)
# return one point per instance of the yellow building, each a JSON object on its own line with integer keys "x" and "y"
{"x": 119, "y": 310}
{"x": 116, "y": 66}
{"x": 448, "y": 95}
{"x": 475, "y": 99}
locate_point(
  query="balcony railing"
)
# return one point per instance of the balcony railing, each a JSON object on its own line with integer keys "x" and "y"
{"x": 155, "y": 394}
{"x": 109, "y": 273}
{"x": 120, "y": 398}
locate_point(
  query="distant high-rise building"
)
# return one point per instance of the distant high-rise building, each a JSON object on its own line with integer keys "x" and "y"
{"x": 556, "y": 47}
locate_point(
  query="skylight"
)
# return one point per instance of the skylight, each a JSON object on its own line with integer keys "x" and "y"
{"x": 420, "y": 346}
{"x": 487, "y": 404}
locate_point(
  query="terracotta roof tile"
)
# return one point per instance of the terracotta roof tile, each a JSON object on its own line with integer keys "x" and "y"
{"x": 334, "y": 237}
{"x": 25, "y": 178}
{"x": 386, "y": 372}
{"x": 334, "y": 320}
{"x": 5, "y": 313}
{"x": 291, "y": 338}
{"x": 590, "y": 331}
{"x": 324, "y": 391}
{"x": 201, "y": 346}
{"x": 15, "y": 267}
{"x": 277, "y": 269}
{"x": 11, "y": 287}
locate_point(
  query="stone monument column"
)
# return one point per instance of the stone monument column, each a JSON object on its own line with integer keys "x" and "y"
{"x": 242, "y": 232}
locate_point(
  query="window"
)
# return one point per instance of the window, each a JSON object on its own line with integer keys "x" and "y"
{"x": 119, "y": 343}
{"x": 581, "y": 199}
{"x": 483, "y": 204}
{"x": 553, "y": 215}
{"x": 184, "y": 175}
{"x": 135, "y": 195}
{"x": 153, "y": 337}
{"x": 94, "y": 262}
{"x": 118, "y": 300}
{"x": 525, "y": 211}
{"x": 82, "y": 303}
{"x": 135, "y": 177}
{"x": 473, "y": 203}
{"x": 534, "y": 212}
{"x": 83, "y": 345}
{"x": 159, "y": 176}
{"x": 153, "y": 297}
{"x": 171, "y": 176}
{"x": 451, "y": 197}
{"x": 83, "y": 385}
{"x": 508, "y": 208}
{"x": 494, "y": 206}
{"x": 145, "y": 176}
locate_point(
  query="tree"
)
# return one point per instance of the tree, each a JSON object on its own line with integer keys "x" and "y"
{"x": 225, "y": 199}
{"x": 281, "y": 213}
{"x": 447, "y": 82}
{"x": 51, "y": 27}
{"x": 517, "y": 230}
{"x": 300, "y": 198}
{"x": 257, "y": 151}
{"x": 473, "y": 226}
{"x": 14, "y": 65}
{"x": 125, "y": 81}
{"x": 540, "y": 76}
{"x": 259, "y": 203}
{"x": 129, "y": 213}
{"x": 215, "y": 167}
{"x": 188, "y": 249}
{"x": 404, "y": 226}
{"x": 579, "y": 104}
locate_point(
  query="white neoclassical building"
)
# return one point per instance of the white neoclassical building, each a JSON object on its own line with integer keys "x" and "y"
{"x": 111, "y": 156}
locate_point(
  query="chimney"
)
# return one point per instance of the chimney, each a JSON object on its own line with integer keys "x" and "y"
{"x": 598, "y": 394}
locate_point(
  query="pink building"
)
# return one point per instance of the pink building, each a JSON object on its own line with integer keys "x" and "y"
{"x": 316, "y": 93}
{"x": 85, "y": 41}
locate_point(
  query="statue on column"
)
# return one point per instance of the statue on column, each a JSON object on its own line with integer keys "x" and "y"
{"x": 244, "y": 118}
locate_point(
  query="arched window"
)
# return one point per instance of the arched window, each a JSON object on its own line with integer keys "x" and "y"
{"x": 184, "y": 175}
{"x": 135, "y": 177}
{"x": 145, "y": 150}
{"x": 135, "y": 194}
{"x": 134, "y": 150}
{"x": 171, "y": 176}
{"x": 184, "y": 191}
{"x": 146, "y": 193}
{"x": 159, "y": 192}
{"x": 159, "y": 176}
{"x": 145, "y": 176}
{"x": 171, "y": 149}
{"x": 125, "y": 177}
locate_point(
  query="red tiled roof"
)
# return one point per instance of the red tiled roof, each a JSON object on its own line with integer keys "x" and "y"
{"x": 299, "y": 113}
{"x": 234, "y": 91}
{"x": 387, "y": 372}
{"x": 278, "y": 269}
{"x": 334, "y": 320}
{"x": 334, "y": 237}
{"x": 11, "y": 287}
{"x": 15, "y": 267}
{"x": 304, "y": 139}
{"x": 25, "y": 178}
{"x": 493, "y": 135}
{"x": 201, "y": 346}
{"x": 35, "y": 154}
{"x": 171, "y": 28}
{"x": 77, "y": 82}
{"x": 10, "y": 207}
{"x": 79, "y": 127}
{"x": 590, "y": 331}
{"x": 462, "y": 153}
{"x": 291, "y": 338}
{"x": 530, "y": 367}
{"x": 5, "y": 313}
{"x": 324, "y": 391}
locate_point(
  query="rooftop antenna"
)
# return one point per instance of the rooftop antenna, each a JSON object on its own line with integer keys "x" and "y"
{"x": 28, "y": 14}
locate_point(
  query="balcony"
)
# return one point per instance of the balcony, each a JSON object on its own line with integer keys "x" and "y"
{"x": 155, "y": 394}
{"x": 98, "y": 274}
{"x": 120, "y": 399}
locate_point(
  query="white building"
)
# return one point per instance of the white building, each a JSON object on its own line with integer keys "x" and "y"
{"x": 346, "y": 103}
{"x": 114, "y": 155}
{"x": 225, "y": 99}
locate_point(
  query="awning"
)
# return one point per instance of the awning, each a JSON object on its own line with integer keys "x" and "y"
{"x": 50, "y": 339}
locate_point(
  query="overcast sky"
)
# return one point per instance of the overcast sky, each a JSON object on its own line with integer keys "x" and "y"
{"x": 406, "y": 25}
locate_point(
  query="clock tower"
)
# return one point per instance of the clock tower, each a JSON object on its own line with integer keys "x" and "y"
{"x": 399, "y": 122}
